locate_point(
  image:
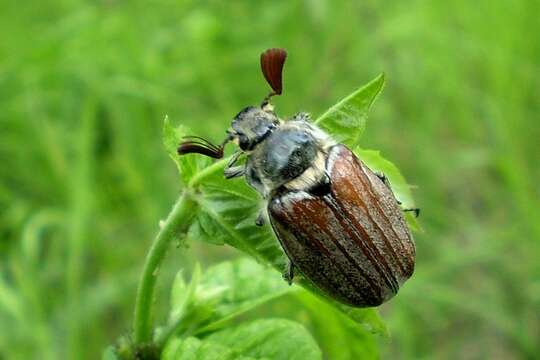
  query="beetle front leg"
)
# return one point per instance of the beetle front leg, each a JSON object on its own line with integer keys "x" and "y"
{"x": 232, "y": 171}
{"x": 288, "y": 273}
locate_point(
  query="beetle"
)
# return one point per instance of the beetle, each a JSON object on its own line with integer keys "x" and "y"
{"x": 337, "y": 221}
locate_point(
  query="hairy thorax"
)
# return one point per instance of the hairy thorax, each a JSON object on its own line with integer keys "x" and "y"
{"x": 292, "y": 156}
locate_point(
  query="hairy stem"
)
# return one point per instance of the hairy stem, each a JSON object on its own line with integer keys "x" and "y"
{"x": 177, "y": 223}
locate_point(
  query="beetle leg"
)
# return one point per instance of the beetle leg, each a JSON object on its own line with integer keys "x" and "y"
{"x": 232, "y": 171}
{"x": 260, "y": 221}
{"x": 288, "y": 274}
{"x": 386, "y": 182}
{"x": 234, "y": 159}
{"x": 384, "y": 179}
{"x": 415, "y": 210}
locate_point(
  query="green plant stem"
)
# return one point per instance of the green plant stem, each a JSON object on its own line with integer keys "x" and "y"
{"x": 177, "y": 223}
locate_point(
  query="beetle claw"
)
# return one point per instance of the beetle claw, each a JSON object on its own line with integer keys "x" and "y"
{"x": 386, "y": 182}
{"x": 415, "y": 210}
{"x": 288, "y": 274}
{"x": 384, "y": 179}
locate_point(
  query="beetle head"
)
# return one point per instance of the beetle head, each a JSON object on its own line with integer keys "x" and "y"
{"x": 252, "y": 125}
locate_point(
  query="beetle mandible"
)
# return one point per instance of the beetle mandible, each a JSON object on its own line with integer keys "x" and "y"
{"x": 338, "y": 222}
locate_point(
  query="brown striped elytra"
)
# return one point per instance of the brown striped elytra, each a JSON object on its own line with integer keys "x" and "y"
{"x": 351, "y": 240}
{"x": 337, "y": 221}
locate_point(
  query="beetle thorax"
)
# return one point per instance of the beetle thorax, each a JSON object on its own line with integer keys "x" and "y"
{"x": 292, "y": 156}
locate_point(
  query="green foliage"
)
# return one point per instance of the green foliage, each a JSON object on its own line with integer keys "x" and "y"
{"x": 172, "y": 136}
{"x": 346, "y": 120}
{"x": 208, "y": 306}
{"x": 337, "y": 335}
{"x": 224, "y": 292}
{"x": 262, "y": 339}
{"x": 84, "y": 180}
{"x": 211, "y": 301}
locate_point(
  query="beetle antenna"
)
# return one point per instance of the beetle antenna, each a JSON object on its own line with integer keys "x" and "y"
{"x": 198, "y": 145}
{"x": 272, "y": 61}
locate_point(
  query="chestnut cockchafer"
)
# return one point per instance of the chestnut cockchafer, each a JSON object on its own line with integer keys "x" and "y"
{"x": 338, "y": 222}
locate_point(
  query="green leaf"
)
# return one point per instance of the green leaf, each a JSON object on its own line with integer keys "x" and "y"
{"x": 270, "y": 339}
{"x": 227, "y": 214}
{"x": 182, "y": 294}
{"x": 195, "y": 349}
{"x": 245, "y": 285}
{"x": 224, "y": 292}
{"x": 400, "y": 188}
{"x": 367, "y": 318}
{"x": 230, "y": 289}
{"x": 262, "y": 339}
{"x": 206, "y": 228}
{"x": 187, "y": 166}
{"x": 346, "y": 120}
{"x": 338, "y": 336}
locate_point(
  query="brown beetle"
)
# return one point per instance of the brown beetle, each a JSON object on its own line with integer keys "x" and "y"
{"x": 338, "y": 222}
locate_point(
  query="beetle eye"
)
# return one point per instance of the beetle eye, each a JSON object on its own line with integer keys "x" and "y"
{"x": 243, "y": 142}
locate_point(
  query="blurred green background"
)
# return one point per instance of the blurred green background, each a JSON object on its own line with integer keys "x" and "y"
{"x": 84, "y": 178}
